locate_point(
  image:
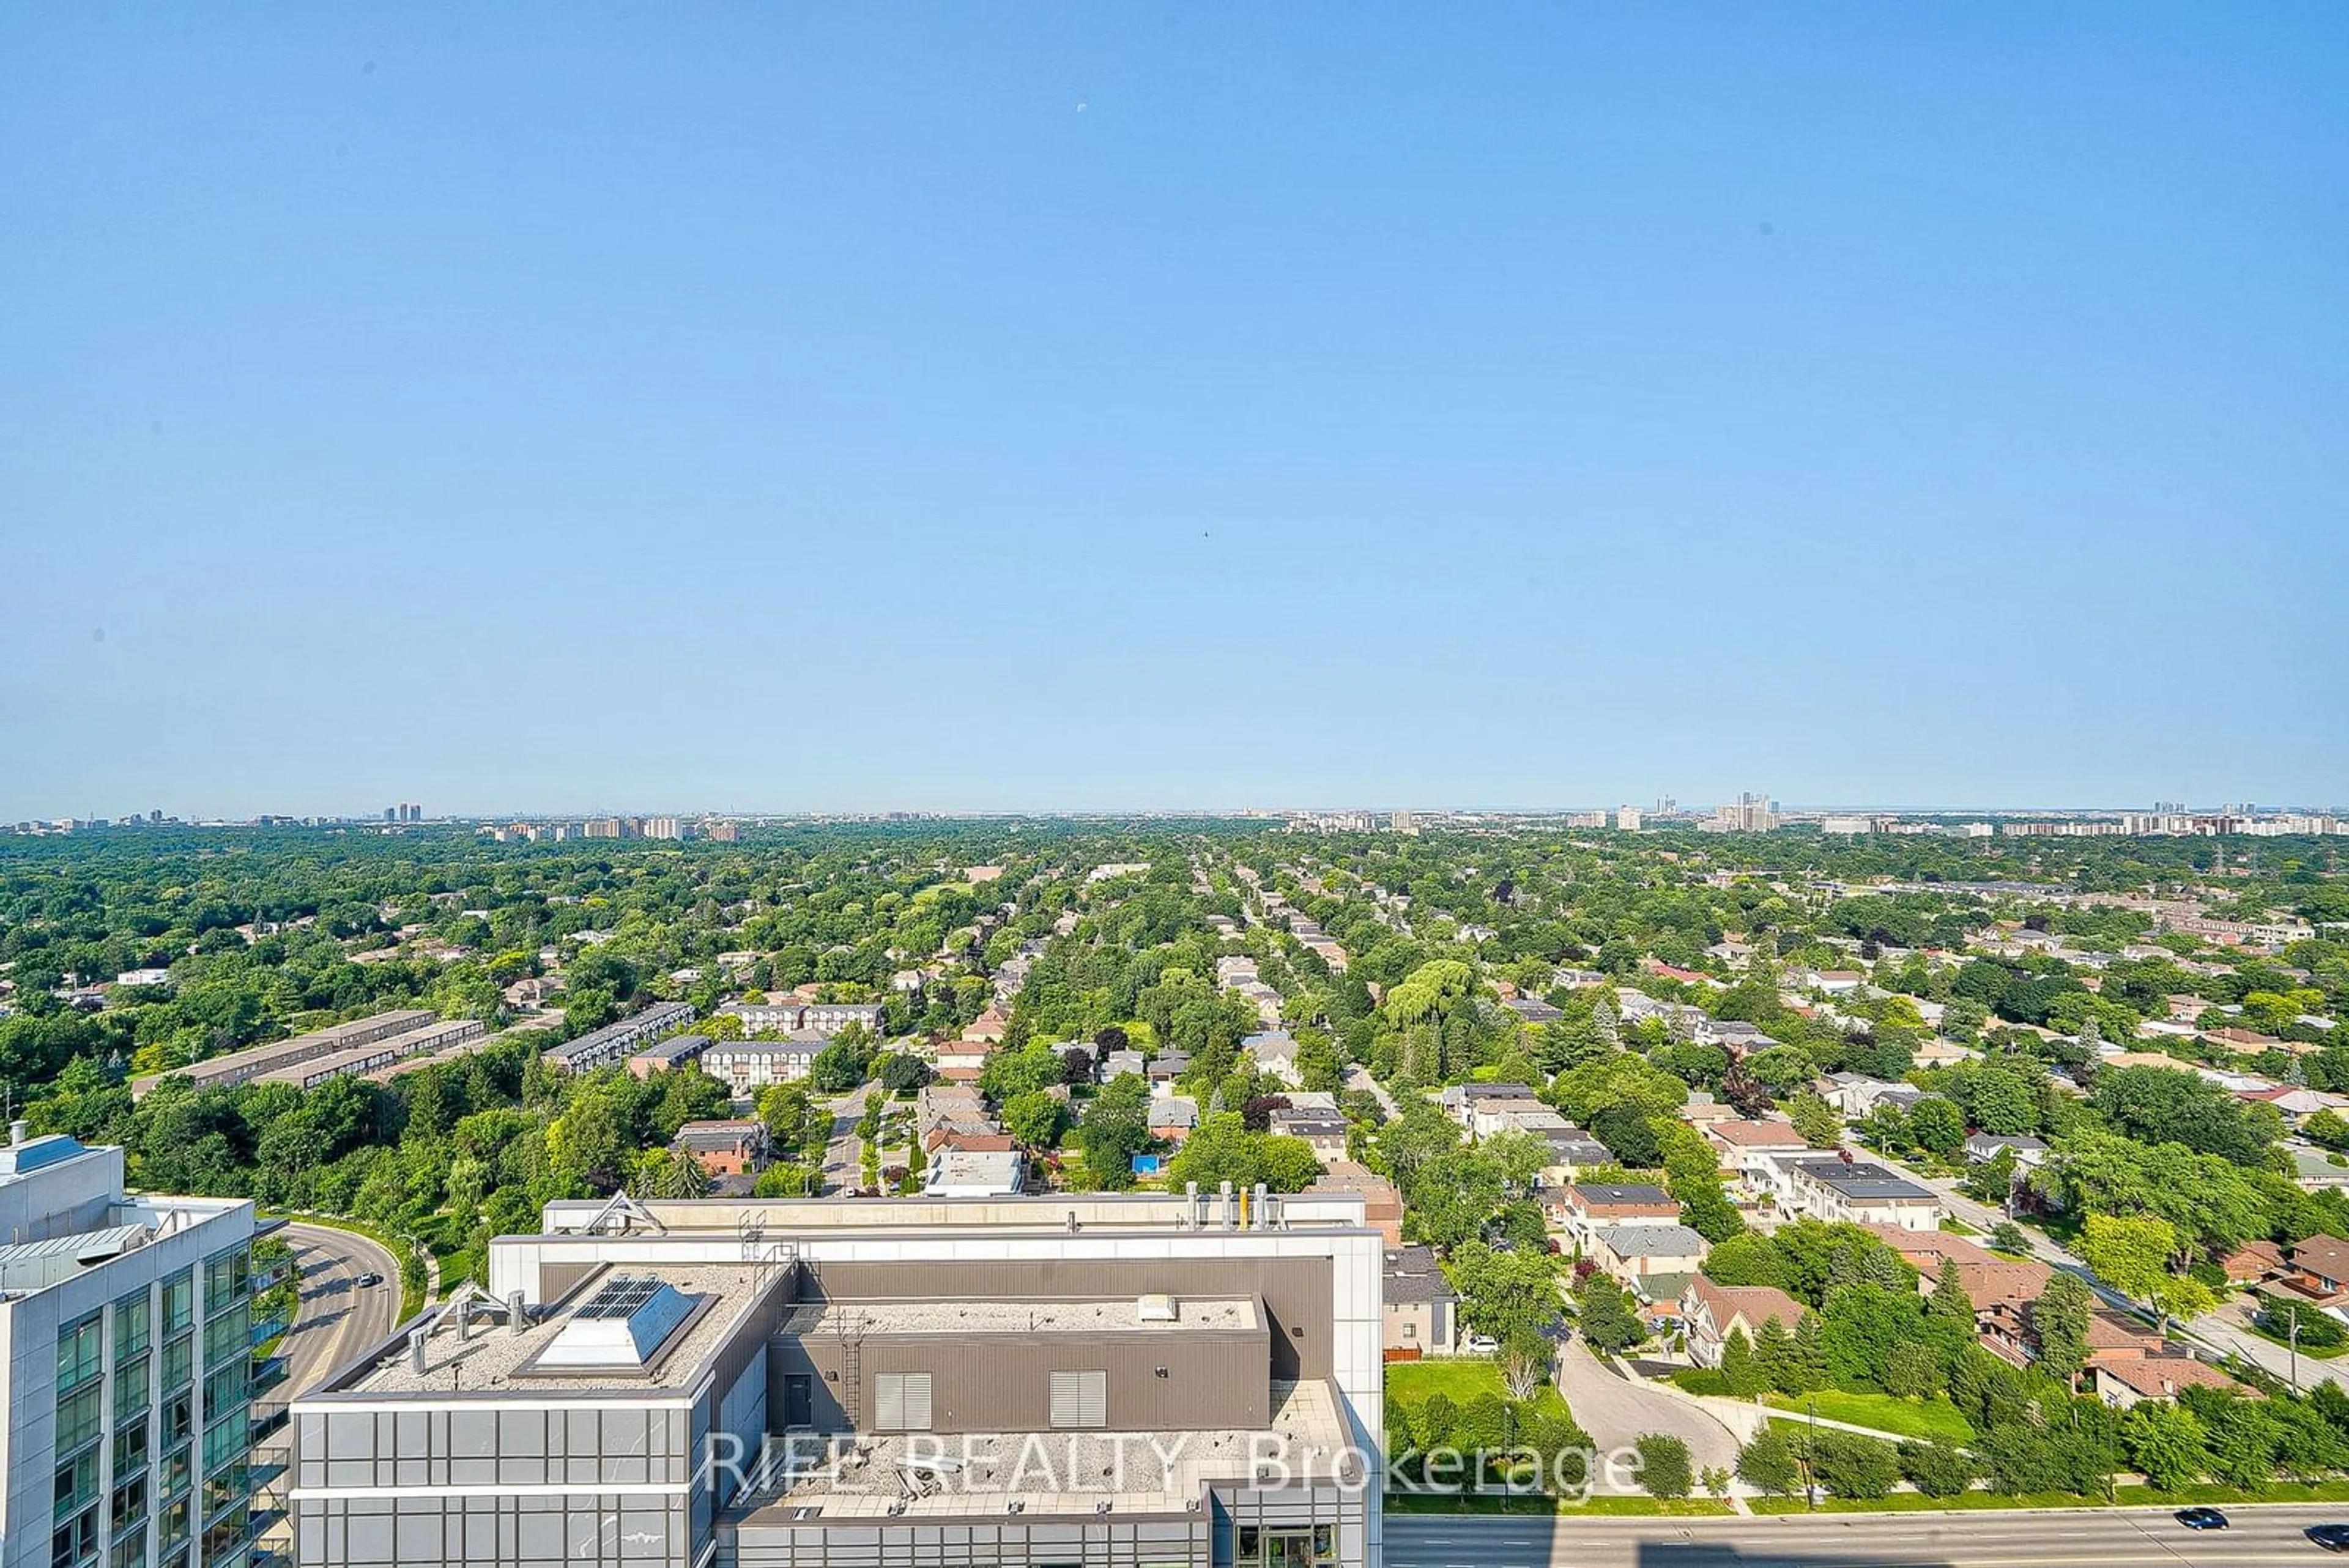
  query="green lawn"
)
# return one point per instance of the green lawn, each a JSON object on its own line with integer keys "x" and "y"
{"x": 1957, "y": 1227}
{"x": 1882, "y": 1412}
{"x": 1598, "y": 1507}
{"x": 1457, "y": 1378}
{"x": 2123, "y": 1497}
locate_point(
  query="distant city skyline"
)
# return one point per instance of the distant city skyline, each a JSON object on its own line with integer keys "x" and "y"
{"x": 672, "y": 811}
{"x": 1064, "y": 407}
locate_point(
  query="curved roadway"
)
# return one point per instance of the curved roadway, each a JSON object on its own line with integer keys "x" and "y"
{"x": 338, "y": 1316}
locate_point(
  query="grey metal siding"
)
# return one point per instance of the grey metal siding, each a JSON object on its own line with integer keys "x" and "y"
{"x": 1181, "y": 1380}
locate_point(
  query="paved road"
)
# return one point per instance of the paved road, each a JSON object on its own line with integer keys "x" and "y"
{"x": 2017, "y": 1540}
{"x": 842, "y": 1166}
{"x": 1359, "y": 1077}
{"x": 1616, "y": 1413}
{"x": 338, "y": 1317}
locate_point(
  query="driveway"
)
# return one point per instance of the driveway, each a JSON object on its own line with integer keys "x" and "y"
{"x": 1617, "y": 1412}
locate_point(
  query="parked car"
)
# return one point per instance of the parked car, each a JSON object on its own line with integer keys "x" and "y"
{"x": 2201, "y": 1519}
{"x": 1478, "y": 1345}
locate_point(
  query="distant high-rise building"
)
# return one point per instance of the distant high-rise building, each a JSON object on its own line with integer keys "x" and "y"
{"x": 1628, "y": 818}
{"x": 391, "y": 814}
{"x": 600, "y": 827}
{"x": 1749, "y": 814}
{"x": 663, "y": 827}
{"x": 720, "y": 831}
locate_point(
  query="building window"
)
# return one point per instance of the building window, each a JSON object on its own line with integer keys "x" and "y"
{"x": 129, "y": 1551}
{"x": 226, "y": 1278}
{"x": 75, "y": 1541}
{"x": 76, "y": 1485}
{"x": 179, "y": 1302}
{"x": 130, "y": 1448}
{"x": 130, "y": 1387}
{"x": 129, "y": 1504}
{"x": 1410, "y": 1330}
{"x": 77, "y": 1418}
{"x": 901, "y": 1402}
{"x": 178, "y": 1363}
{"x": 133, "y": 1316}
{"x": 79, "y": 1353}
{"x": 1080, "y": 1399}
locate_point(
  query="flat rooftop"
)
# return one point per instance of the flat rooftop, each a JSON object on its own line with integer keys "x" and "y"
{"x": 494, "y": 1359}
{"x": 1053, "y": 1472}
{"x": 1119, "y": 1315}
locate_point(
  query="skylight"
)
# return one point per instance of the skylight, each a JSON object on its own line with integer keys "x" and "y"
{"x": 623, "y": 1323}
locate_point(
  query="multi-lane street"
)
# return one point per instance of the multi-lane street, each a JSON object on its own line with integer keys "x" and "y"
{"x": 338, "y": 1316}
{"x": 1984, "y": 1540}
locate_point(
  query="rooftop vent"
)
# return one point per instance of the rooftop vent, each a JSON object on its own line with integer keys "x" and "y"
{"x": 623, "y": 1324}
{"x": 1155, "y": 1309}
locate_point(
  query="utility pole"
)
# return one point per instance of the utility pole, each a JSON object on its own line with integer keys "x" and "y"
{"x": 2295, "y": 1347}
{"x": 1810, "y": 1446}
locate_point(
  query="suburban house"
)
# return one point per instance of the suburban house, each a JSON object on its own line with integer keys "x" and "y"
{"x": 726, "y": 1148}
{"x": 1483, "y": 1108}
{"x": 1629, "y": 1253}
{"x": 1323, "y": 1131}
{"x": 1381, "y": 1205}
{"x": 2314, "y": 1170}
{"x": 1734, "y": 1035}
{"x": 2125, "y": 1380}
{"x": 1571, "y": 1152}
{"x": 1276, "y": 1054}
{"x": 2315, "y": 1274}
{"x": 2253, "y": 1263}
{"x": 1533, "y": 1010}
{"x": 1744, "y": 1147}
{"x": 1421, "y": 1308}
{"x": 1173, "y": 1117}
{"x": 975, "y": 1173}
{"x": 1582, "y": 1209}
{"x": 1983, "y": 1148}
{"x": 1711, "y": 1313}
{"x": 962, "y": 1061}
{"x": 1123, "y": 1060}
{"x": 1832, "y": 1188}
{"x": 1854, "y": 1094}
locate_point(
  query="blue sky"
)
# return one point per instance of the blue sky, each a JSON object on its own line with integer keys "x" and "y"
{"x": 1019, "y": 406}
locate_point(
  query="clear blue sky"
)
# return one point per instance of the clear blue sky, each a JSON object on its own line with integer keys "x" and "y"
{"x": 974, "y": 406}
